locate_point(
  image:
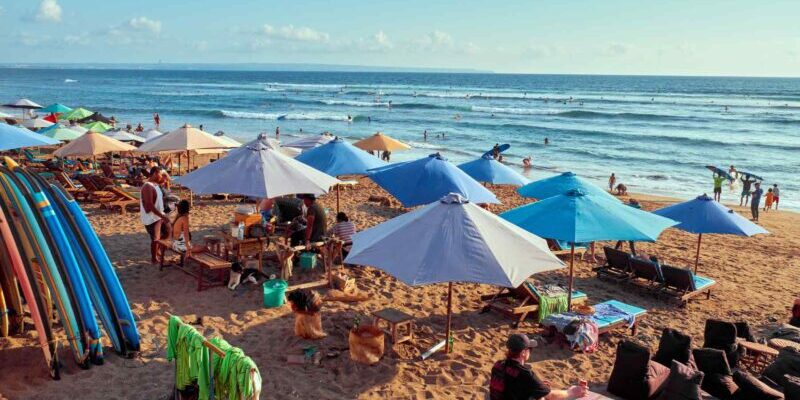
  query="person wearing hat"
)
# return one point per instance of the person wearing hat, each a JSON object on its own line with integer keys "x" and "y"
{"x": 513, "y": 380}
{"x": 315, "y": 222}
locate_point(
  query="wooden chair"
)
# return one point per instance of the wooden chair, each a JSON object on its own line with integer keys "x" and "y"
{"x": 646, "y": 274}
{"x": 617, "y": 266}
{"x": 94, "y": 193}
{"x": 77, "y": 191}
{"x": 682, "y": 284}
{"x": 121, "y": 199}
{"x": 518, "y": 303}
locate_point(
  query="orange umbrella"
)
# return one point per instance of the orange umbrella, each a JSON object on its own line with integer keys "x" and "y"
{"x": 381, "y": 142}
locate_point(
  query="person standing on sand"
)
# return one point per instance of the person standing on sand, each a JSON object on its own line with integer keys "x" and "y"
{"x": 157, "y": 120}
{"x": 746, "y": 183}
{"x": 151, "y": 212}
{"x": 718, "y": 179}
{"x": 612, "y": 180}
{"x": 278, "y": 133}
{"x": 425, "y": 135}
{"x": 768, "y": 199}
{"x": 755, "y": 202}
{"x": 511, "y": 379}
{"x": 776, "y": 195}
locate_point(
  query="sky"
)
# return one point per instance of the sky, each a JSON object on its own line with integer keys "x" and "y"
{"x": 710, "y": 37}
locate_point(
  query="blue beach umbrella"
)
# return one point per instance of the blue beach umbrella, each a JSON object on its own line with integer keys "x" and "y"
{"x": 55, "y": 108}
{"x": 12, "y": 137}
{"x": 704, "y": 215}
{"x": 338, "y": 157}
{"x": 579, "y": 217}
{"x": 560, "y": 184}
{"x": 488, "y": 170}
{"x": 427, "y": 179}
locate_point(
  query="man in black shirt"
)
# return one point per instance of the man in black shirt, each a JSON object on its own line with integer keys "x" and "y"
{"x": 513, "y": 380}
{"x": 316, "y": 223}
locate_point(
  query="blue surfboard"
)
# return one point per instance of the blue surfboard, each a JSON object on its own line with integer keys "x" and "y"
{"x": 503, "y": 147}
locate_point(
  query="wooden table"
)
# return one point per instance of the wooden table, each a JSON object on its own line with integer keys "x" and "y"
{"x": 397, "y": 321}
{"x": 778, "y": 344}
{"x": 237, "y": 249}
{"x": 757, "y": 356}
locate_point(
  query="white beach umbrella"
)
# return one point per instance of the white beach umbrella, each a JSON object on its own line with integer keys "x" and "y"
{"x": 453, "y": 240}
{"x": 150, "y": 134}
{"x": 227, "y": 139}
{"x": 37, "y": 123}
{"x": 183, "y": 139}
{"x": 5, "y": 116}
{"x": 23, "y": 104}
{"x": 125, "y": 136}
{"x": 309, "y": 142}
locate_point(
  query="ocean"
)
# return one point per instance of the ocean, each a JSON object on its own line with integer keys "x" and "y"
{"x": 656, "y": 134}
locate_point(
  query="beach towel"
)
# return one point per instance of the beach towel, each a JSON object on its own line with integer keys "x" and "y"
{"x": 236, "y": 376}
{"x": 586, "y": 336}
{"x": 185, "y": 346}
{"x": 549, "y": 305}
{"x": 560, "y": 321}
{"x": 606, "y": 311}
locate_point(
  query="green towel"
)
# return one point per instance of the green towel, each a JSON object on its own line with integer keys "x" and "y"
{"x": 549, "y": 305}
{"x": 185, "y": 346}
{"x": 236, "y": 375}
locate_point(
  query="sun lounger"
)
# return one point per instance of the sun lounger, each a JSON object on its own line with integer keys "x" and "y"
{"x": 563, "y": 247}
{"x": 646, "y": 274}
{"x": 94, "y": 193}
{"x": 121, "y": 199}
{"x": 31, "y": 158}
{"x": 607, "y": 324}
{"x": 617, "y": 266}
{"x": 682, "y": 284}
{"x": 518, "y": 303}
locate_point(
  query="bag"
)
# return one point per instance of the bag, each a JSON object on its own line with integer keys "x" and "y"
{"x": 308, "y": 326}
{"x": 256, "y": 231}
{"x": 366, "y": 344}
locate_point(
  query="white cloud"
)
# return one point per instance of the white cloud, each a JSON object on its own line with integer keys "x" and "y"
{"x": 616, "y": 49}
{"x": 438, "y": 41}
{"x": 48, "y": 11}
{"x": 145, "y": 24}
{"x": 292, "y": 33}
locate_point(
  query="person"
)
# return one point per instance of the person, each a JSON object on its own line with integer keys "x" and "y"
{"x": 612, "y": 180}
{"x": 265, "y": 208}
{"x": 181, "y": 235}
{"x": 151, "y": 212}
{"x": 500, "y": 158}
{"x": 315, "y": 222}
{"x": 200, "y": 127}
{"x": 139, "y": 128}
{"x": 768, "y": 199}
{"x": 795, "y": 319}
{"x": 718, "y": 179}
{"x": 344, "y": 229}
{"x": 157, "y": 120}
{"x": 776, "y": 195}
{"x": 526, "y": 162}
{"x": 511, "y": 379}
{"x": 746, "y": 183}
{"x": 546, "y": 141}
{"x": 755, "y": 202}
{"x": 425, "y": 135}
{"x": 496, "y": 151}
{"x": 278, "y": 132}
{"x": 386, "y": 155}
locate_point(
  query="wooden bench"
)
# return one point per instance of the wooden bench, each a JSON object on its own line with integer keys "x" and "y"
{"x": 205, "y": 261}
{"x": 397, "y": 321}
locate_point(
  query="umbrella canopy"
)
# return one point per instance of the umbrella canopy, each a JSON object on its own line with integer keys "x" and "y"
{"x": 338, "y": 157}
{"x": 5, "y": 116}
{"x": 489, "y": 170}
{"x": 96, "y": 117}
{"x": 24, "y": 104}
{"x": 36, "y": 123}
{"x": 428, "y": 179}
{"x": 232, "y": 143}
{"x": 452, "y": 240}
{"x": 77, "y": 128}
{"x": 13, "y": 137}
{"x": 60, "y": 132}
{"x": 125, "y": 136}
{"x": 560, "y": 184}
{"x": 76, "y": 114}
{"x": 56, "y": 108}
{"x": 381, "y": 142}
{"x": 92, "y": 144}
{"x": 704, "y": 215}
{"x": 309, "y": 142}
{"x": 150, "y": 134}
{"x": 97, "y": 126}
{"x": 183, "y": 139}
{"x": 258, "y": 171}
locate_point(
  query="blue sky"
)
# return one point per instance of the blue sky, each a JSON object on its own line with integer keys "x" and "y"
{"x": 750, "y": 38}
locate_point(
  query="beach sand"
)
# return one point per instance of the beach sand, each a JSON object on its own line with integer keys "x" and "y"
{"x": 758, "y": 281}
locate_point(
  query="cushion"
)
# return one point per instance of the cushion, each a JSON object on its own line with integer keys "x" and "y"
{"x": 787, "y": 363}
{"x": 634, "y": 375}
{"x": 674, "y": 345}
{"x": 711, "y": 361}
{"x": 792, "y": 388}
{"x": 683, "y": 383}
{"x": 720, "y": 386}
{"x": 751, "y": 388}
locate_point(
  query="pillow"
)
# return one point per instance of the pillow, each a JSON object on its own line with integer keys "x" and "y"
{"x": 751, "y": 388}
{"x": 711, "y": 361}
{"x": 787, "y": 363}
{"x": 720, "y": 386}
{"x": 674, "y": 346}
{"x": 792, "y": 388}
{"x": 683, "y": 383}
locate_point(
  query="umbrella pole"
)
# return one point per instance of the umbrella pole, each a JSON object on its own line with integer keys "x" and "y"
{"x": 697, "y": 257}
{"x": 337, "y": 198}
{"x": 448, "y": 347}
{"x": 571, "y": 263}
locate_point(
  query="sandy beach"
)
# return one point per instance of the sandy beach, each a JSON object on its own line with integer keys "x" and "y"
{"x": 758, "y": 281}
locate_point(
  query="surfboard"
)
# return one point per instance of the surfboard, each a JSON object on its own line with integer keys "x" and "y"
{"x": 720, "y": 172}
{"x": 39, "y": 249}
{"x": 106, "y": 269}
{"x": 12, "y": 311}
{"x": 747, "y": 174}
{"x": 38, "y": 302}
{"x": 503, "y": 147}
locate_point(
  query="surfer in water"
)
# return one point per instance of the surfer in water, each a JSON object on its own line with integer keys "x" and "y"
{"x": 278, "y": 133}
{"x": 496, "y": 151}
{"x": 425, "y": 135}
{"x": 611, "y": 181}
{"x": 349, "y": 118}
{"x": 546, "y": 141}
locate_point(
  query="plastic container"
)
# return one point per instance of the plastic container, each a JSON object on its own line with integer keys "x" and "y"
{"x": 308, "y": 261}
{"x": 274, "y": 292}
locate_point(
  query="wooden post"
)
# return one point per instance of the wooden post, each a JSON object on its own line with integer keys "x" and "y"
{"x": 448, "y": 347}
{"x": 337, "y": 198}
{"x": 697, "y": 257}
{"x": 571, "y": 263}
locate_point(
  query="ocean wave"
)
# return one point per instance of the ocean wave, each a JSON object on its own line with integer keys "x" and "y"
{"x": 289, "y": 116}
{"x": 305, "y": 86}
{"x": 355, "y": 103}
{"x": 177, "y": 94}
{"x": 70, "y": 80}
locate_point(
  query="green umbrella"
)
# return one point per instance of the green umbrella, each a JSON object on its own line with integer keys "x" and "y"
{"x": 55, "y": 108}
{"x": 97, "y": 126}
{"x": 76, "y": 113}
{"x": 60, "y": 132}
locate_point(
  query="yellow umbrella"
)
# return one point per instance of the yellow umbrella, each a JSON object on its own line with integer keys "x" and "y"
{"x": 381, "y": 142}
{"x": 92, "y": 144}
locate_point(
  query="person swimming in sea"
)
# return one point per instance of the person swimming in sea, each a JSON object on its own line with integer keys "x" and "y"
{"x": 349, "y": 118}
{"x": 526, "y": 162}
{"x": 546, "y": 141}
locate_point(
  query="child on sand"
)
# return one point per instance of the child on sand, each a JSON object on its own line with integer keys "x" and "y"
{"x": 768, "y": 199}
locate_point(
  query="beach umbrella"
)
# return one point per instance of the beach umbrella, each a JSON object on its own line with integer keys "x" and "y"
{"x": 125, "y": 136}
{"x": 184, "y": 139}
{"x": 96, "y": 117}
{"x": 560, "y": 184}
{"x": 232, "y": 143}
{"x": 60, "y": 132}
{"x": 24, "y": 104}
{"x": 36, "y": 123}
{"x": 704, "y": 215}
{"x": 275, "y": 145}
{"x": 150, "y": 134}
{"x": 489, "y": 170}
{"x": 579, "y": 217}
{"x": 56, "y": 108}
{"x": 258, "y": 171}
{"x": 309, "y": 142}
{"x": 14, "y": 137}
{"x": 452, "y": 240}
{"x": 5, "y": 116}
{"x": 97, "y": 126}
{"x": 337, "y": 158}
{"x": 75, "y": 114}
{"x": 77, "y": 128}
{"x": 428, "y": 179}
{"x": 381, "y": 142}
{"x": 92, "y": 144}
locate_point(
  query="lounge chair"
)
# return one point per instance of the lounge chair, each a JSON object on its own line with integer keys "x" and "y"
{"x": 722, "y": 335}
{"x": 617, "y": 266}
{"x": 121, "y": 199}
{"x": 635, "y": 374}
{"x": 563, "y": 247}
{"x": 609, "y": 323}
{"x": 683, "y": 285}
{"x": 522, "y": 301}
{"x": 31, "y": 158}
{"x": 646, "y": 274}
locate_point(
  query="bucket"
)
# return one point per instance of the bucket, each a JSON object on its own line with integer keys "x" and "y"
{"x": 274, "y": 293}
{"x": 308, "y": 261}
